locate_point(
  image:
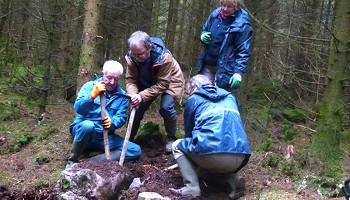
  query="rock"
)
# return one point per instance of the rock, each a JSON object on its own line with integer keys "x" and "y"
{"x": 93, "y": 180}
{"x": 151, "y": 196}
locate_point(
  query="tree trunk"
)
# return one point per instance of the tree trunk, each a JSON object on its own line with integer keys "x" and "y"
{"x": 50, "y": 25}
{"x": 171, "y": 24}
{"x": 326, "y": 143}
{"x": 4, "y": 12}
{"x": 88, "y": 49}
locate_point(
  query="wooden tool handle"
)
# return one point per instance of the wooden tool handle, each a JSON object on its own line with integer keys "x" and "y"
{"x": 127, "y": 136}
{"x": 105, "y": 131}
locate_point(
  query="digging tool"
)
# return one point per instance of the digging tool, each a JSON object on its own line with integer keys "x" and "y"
{"x": 105, "y": 130}
{"x": 123, "y": 95}
{"x": 127, "y": 136}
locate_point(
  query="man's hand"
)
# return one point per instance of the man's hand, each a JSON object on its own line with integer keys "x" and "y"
{"x": 235, "y": 81}
{"x": 106, "y": 122}
{"x": 98, "y": 88}
{"x": 206, "y": 37}
{"x": 135, "y": 100}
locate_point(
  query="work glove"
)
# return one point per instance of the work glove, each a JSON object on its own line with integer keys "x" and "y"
{"x": 206, "y": 37}
{"x": 99, "y": 87}
{"x": 235, "y": 81}
{"x": 106, "y": 122}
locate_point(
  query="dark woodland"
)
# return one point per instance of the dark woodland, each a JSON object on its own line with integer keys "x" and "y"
{"x": 294, "y": 98}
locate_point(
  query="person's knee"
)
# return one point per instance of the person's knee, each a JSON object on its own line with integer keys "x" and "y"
{"x": 134, "y": 150}
{"x": 167, "y": 109}
{"x": 176, "y": 151}
{"x": 167, "y": 112}
{"x": 84, "y": 130}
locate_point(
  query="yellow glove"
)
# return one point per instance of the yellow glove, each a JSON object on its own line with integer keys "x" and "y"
{"x": 107, "y": 122}
{"x": 98, "y": 88}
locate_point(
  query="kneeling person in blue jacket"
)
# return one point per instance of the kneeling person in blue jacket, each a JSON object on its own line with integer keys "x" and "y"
{"x": 87, "y": 128}
{"x": 215, "y": 141}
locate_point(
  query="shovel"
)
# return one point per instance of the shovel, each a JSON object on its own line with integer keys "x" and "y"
{"x": 105, "y": 130}
{"x": 127, "y": 136}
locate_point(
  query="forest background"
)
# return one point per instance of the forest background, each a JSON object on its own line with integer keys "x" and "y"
{"x": 296, "y": 87}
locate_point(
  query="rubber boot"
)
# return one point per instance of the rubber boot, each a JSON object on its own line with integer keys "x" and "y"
{"x": 170, "y": 129}
{"x": 75, "y": 152}
{"x": 189, "y": 177}
{"x": 236, "y": 191}
{"x": 134, "y": 129}
{"x": 115, "y": 155}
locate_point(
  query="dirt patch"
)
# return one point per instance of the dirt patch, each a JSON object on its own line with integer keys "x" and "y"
{"x": 32, "y": 172}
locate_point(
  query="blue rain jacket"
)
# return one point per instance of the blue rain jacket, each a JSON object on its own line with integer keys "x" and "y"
{"x": 116, "y": 108}
{"x": 235, "y": 49}
{"x": 213, "y": 124}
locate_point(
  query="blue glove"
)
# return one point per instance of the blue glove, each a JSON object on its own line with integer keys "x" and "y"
{"x": 235, "y": 81}
{"x": 206, "y": 37}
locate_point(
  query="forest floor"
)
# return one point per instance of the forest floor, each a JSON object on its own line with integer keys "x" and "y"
{"x": 31, "y": 172}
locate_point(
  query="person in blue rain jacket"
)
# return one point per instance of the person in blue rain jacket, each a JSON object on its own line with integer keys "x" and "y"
{"x": 87, "y": 128}
{"x": 227, "y": 36}
{"x": 215, "y": 141}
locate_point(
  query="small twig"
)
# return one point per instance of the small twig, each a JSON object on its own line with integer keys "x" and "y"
{"x": 301, "y": 126}
{"x": 174, "y": 166}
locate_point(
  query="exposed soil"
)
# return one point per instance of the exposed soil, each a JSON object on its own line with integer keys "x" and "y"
{"x": 23, "y": 170}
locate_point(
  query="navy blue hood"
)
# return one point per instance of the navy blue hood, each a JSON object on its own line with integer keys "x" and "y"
{"x": 211, "y": 93}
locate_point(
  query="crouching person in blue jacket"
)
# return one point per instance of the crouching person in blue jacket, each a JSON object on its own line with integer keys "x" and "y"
{"x": 87, "y": 128}
{"x": 215, "y": 141}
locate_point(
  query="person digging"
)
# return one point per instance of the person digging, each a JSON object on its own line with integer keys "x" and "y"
{"x": 87, "y": 128}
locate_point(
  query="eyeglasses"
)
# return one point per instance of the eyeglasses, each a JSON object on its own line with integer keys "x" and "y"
{"x": 110, "y": 78}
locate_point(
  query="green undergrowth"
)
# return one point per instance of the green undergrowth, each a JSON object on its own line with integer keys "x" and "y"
{"x": 20, "y": 135}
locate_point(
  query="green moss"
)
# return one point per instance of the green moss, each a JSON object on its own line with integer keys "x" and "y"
{"x": 149, "y": 135}
{"x": 83, "y": 181}
{"x": 272, "y": 160}
{"x": 322, "y": 184}
{"x": 265, "y": 145}
{"x": 46, "y": 131}
{"x": 16, "y": 142}
{"x": 274, "y": 195}
{"x": 9, "y": 110}
{"x": 294, "y": 115}
{"x": 289, "y": 168}
{"x": 288, "y": 132}
{"x": 180, "y": 133}
{"x": 65, "y": 184}
{"x": 5, "y": 177}
{"x": 42, "y": 181}
{"x": 325, "y": 147}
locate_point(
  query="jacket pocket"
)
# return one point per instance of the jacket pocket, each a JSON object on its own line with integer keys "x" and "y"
{"x": 223, "y": 79}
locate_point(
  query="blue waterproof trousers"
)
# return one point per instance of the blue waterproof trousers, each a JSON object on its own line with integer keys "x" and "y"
{"x": 85, "y": 132}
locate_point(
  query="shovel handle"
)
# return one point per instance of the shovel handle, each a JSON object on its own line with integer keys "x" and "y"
{"x": 127, "y": 136}
{"x": 105, "y": 130}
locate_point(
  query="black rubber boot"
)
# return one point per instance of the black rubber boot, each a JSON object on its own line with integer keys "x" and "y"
{"x": 75, "y": 152}
{"x": 170, "y": 129}
{"x": 189, "y": 177}
{"x": 237, "y": 189}
{"x": 134, "y": 129}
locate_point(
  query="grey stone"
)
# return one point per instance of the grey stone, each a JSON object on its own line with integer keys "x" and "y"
{"x": 77, "y": 183}
{"x": 151, "y": 196}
